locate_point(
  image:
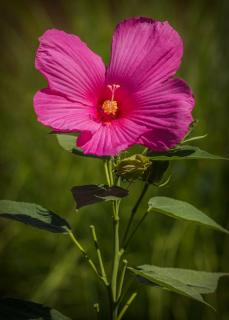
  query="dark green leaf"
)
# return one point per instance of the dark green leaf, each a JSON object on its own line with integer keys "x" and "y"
{"x": 15, "y": 309}
{"x": 189, "y": 283}
{"x": 184, "y": 152}
{"x": 92, "y": 193}
{"x": 182, "y": 210}
{"x": 68, "y": 143}
{"x": 34, "y": 215}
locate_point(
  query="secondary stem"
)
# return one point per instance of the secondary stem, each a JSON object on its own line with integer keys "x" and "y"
{"x": 122, "y": 278}
{"x": 84, "y": 253}
{"x": 99, "y": 255}
{"x": 134, "y": 211}
{"x": 135, "y": 229}
{"x": 126, "y": 306}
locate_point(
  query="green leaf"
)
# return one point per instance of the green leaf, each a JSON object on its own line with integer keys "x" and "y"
{"x": 92, "y": 193}
{"x": 15, "y": 309}
{"x": 189, "y": 283}
{"x": 68, "y": 143}
{"x": 34, "y": 215}
{"x": 184, "y": 152}
{"x": 182, "y": 210}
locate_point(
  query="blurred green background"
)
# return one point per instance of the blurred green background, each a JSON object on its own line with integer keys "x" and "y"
{"x": 45, "y": 267}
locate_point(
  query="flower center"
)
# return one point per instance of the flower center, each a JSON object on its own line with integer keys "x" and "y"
{"x": 110, "y": 107}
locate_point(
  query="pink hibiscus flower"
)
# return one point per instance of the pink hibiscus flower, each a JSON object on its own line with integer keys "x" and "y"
{"x": 135, "y": 100}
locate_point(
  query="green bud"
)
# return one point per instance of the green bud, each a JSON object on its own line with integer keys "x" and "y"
{"x": 133, "y": 167}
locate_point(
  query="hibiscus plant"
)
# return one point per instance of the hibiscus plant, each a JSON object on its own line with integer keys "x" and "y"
{"x": 100, "y": 112}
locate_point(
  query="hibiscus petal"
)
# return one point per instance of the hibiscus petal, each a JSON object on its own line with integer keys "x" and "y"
{"x": 110, "y": 139}
{"x": 70, "y": 67}
{"x": 167, "y": 112}
{"x": 61, "y": 114}
{"x": 144, "y": 52}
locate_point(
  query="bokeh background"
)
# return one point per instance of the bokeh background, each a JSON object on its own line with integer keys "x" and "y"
{"x": 45, "y": 267}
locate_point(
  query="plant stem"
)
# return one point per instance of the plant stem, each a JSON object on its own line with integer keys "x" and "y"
{"x": 134, "y": 211}
{"x": 110, "y": 165}
{"x": 84, "y": 253}
{"x": 126, "y": 306}
{"x": 106, "y": 167}
{"x": 103, "y": 272}
{"x": 115, "y": 289}
{"x": 117, "y": 252}
{"x": 135, "y": 230}
{"x": 122, "y": 278}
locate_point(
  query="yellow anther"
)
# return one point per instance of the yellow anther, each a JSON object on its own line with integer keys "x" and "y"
{"x": 110, "y": 107}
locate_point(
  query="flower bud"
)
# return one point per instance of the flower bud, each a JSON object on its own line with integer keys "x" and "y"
{"x": 133, "y": 167}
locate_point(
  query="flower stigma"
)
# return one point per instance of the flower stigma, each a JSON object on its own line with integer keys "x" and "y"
{"x": 110, "y": 107}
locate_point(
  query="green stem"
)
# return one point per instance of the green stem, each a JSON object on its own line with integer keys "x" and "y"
{"x": 135, "y": 230}
{"x": 122, "y": 278}
{"x": 115, "y": 263}
{"x": 112, "y": 288}
{"x": 110, "y": 299}
{"x": 134, "y": 211}
{"x": 84, "y": 253}
{"x": 106, "y": 167}
{"x": 115, "y": 290}
{"x": 111, "y": 171}
{"x": 126, "y": 306}
{"x": 102, "y": 269}
{"x": 117, "y": 253}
